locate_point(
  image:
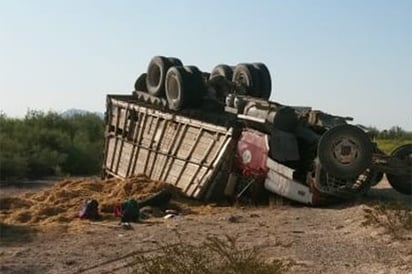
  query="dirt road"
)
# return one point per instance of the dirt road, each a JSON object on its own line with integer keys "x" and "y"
{"x": 309, "y": 240}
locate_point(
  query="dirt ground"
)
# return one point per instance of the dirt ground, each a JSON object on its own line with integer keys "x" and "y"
{"x": 37, "y": 239}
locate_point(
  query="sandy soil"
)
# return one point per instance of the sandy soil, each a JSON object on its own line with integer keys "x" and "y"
{"x": 311, "y": 240}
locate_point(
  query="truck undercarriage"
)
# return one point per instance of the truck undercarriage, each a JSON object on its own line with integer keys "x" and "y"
{"x": 206, "y": 133}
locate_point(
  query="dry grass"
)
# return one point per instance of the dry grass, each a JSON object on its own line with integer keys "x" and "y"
{"x": 214, "y": 255}
{"x": 395, "y": 218}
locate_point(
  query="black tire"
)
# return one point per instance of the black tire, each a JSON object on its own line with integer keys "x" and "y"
{"x": 206, "y": 76}
{"x": 246, "y": 76}
{"x": 156, "y": 75}
{"x": 402, "y": 183}
{"x": 345, "y": 151}
{"x": 197, "y": 87}
{"x": 265, "y": 80}
{"x": 140, "y": 84}
{"x": 222, "y": 70}
{"x": 175, "y": 61}
{"x": 222, "y": 87}
{"x": 177, "y": 88}
{"x": 193, "y": 70}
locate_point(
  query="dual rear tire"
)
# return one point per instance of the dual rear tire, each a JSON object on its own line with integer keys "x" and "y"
{"x": 156, "y": 74}
{"x": 254, "y": 79}
{"x": 184, "y": 87}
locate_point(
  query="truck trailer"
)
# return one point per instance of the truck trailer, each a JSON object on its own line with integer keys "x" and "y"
{"x": 217, "y": 135}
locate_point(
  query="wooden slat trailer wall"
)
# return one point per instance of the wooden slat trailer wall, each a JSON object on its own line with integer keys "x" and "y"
{"x": 184, "y": 152}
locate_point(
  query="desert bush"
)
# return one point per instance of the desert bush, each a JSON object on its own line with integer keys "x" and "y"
{"x": 44, "y": 144}
{"x": 395, "y": 217}
{"x": 214, "y": 255}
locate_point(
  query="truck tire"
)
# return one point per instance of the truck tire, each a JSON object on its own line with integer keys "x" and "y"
{"x": 402, "y": 183}
{"x": 177, "y": 87}
{"x": 156, "y": 75}
{"x": 345, "y": 151}
{"x": 175, "y": 61}
{"x": 222, "y": 70}
{"x": 193, "y": 70}
{"x": 197, "y": 87}
{"x": 140, "y": 84}
{"x": 247, "y": 77}
{"x": 206, "y": 77}
{"x": 265, "y": 80}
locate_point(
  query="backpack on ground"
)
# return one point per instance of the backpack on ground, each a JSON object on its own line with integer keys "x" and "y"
{"x": 89, "y": 210}
{"x": 128, "y": 211}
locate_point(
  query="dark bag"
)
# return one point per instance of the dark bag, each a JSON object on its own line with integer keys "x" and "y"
{"x": 89, "y": 210}
{"x": 128, "y": 211}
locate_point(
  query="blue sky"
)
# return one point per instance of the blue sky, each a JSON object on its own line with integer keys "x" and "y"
{"x": 350, "y": 58}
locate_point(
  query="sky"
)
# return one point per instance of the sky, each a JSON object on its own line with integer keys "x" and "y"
{"x": 347, "y": 57}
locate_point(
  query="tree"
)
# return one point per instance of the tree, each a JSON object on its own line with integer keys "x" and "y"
{"x": 43, "y": 144}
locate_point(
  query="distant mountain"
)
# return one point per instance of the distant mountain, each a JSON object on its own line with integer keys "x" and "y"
{"x": 74, "y": 111}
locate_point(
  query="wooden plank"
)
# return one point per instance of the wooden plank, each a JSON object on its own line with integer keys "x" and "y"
{"x": 125, "y": 159}
{"x": 170, "y": 148}
{"x": 150, "y": 144}
{"x": 205, "y": 155}
{"x": 151, "y": 150}
{"x": 110, "y": 155}
{"x": 190, "y": 153}
{"x": 141, "y": 160}
{"x": 160, "y": 162}
{"x": 126, "y": 112}
{"x": 107, "y": 128}
{"x": 216, "y": 161}
{"x": 158, "y": 144}
{"x": 163, "y": 147}
{"x": 134, "y": 139}
{"x": 175, "y": 171}
{"x": 198, "y": 179}
{"x": 137, "y": 145}
{"x": 190, "y": 140}
{"x": 170, "y": 116}
{"x": 115, "y": 145}
{"x": 175, "y": 149}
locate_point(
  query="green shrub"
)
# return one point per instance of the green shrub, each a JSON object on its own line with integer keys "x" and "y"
{"x": 389, "y": 145}
{"x": 43, "y": 144}
{"x": 213, "y": 256}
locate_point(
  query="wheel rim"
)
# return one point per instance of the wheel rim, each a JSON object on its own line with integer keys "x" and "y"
{"x": 154, "y": 75}
{"x": 345, "y": 151}
{"x": 173, "y": 88}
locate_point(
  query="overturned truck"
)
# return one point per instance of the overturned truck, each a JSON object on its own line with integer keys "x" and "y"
{"x": 216, "y": 135}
